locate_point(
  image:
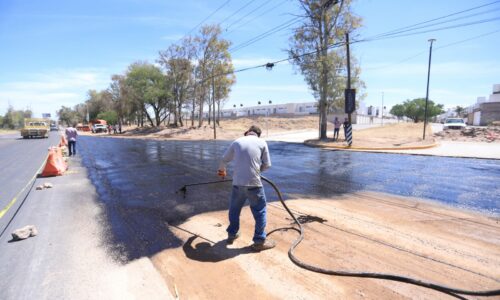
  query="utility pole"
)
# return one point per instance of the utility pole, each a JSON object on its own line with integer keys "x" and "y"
{"x": 350, "y": 104}
{"x": 213, "y": 101}
{"x": 428, "y": 78}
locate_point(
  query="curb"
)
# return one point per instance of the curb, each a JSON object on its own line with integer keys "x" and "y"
{"x": 310, "y": 144}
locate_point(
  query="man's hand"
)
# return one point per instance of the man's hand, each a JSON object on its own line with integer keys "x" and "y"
{"x": 222, "y": 173}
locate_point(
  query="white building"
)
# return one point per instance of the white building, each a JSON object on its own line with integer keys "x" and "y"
{"x": 485, "y": 111}
{"x": 272, "y": 109}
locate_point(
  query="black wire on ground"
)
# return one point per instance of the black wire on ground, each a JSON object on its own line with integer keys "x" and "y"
{"x": 441, "y": 288}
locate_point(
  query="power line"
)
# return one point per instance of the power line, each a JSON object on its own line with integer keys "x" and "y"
{"x": 258, "y": 16}
{"x": 466, "y": 40}
{"x": 237, "y": 11}
{"x": 251, "y": 12}
{"x": 375, "y": 38}
{"x": 438, "y": 23}
{"x": 435, "y": 29}
{"x": 209, "y": 16}
{"x": 446, "y": 16}
{"x": 436, "y": 49}
{"x": 261, "y": 36}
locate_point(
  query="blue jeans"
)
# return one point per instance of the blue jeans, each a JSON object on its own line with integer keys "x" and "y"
{"x": 72, "y": 147}
{"x": 257, "y": 199}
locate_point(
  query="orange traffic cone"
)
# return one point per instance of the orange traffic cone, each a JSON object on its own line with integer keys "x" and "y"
{"x": 53, "y": 165}
{"x": 60, "y": 159}
{"x": 63, "y": 141}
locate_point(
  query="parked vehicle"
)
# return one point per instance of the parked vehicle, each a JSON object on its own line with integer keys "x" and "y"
{"x": 97, "y": 128}
{"x": 35, "y": 127}
{"x": 454, "y": 123}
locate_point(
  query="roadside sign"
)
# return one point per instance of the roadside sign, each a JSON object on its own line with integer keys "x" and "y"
{"x": 350, "y": 101}
{"x": 46, "y": 116}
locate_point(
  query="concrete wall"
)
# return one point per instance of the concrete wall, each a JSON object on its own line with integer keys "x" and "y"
{"x": 490, "y": 111}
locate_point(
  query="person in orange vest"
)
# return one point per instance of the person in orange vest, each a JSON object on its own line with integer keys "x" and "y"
{"x": 71, "y": 135}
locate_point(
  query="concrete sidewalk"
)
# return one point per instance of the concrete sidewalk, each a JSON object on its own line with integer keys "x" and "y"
{"x": 69, "y": 259}
{"x": 443, "y": 148}
{"x": 458, "y": 149}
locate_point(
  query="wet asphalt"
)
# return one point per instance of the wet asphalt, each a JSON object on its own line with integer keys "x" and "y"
{"x": 138, "y": 182}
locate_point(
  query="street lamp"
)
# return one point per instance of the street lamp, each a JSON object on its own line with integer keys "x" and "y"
{"x": 265, "y": 118}
{"x": 382, "y": 108}
{"x": 428, "y": 78}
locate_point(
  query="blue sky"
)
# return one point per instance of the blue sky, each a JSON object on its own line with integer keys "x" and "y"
{"x": 52, "y": 52}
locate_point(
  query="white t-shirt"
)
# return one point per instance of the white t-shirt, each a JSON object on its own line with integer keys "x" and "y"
{"x": 251, "y": 157}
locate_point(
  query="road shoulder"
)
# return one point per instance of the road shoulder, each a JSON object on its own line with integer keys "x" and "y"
{"x": 68, "y": 259}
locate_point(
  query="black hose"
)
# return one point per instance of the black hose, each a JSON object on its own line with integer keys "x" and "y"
{"x": 298, "y": 262}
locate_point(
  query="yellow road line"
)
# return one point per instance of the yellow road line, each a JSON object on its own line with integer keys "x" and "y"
{"x": 6, "y": 208}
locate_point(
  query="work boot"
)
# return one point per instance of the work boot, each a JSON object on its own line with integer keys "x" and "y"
{"x": 264, "y": 245}
{"x": 232, "y": 237}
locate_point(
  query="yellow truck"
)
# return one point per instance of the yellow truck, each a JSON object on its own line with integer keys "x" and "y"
{"x": 35, "y": 127}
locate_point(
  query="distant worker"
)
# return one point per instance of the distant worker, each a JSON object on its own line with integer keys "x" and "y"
{"x": 336, "y": 124}
{"x": 71, "y": 134}
{"x": 346, "y": 124}
{"x": 115, "y": 128}
{"x": 251, "y": 157}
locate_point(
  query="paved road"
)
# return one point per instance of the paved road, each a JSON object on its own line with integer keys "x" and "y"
{"x": 121, "y": 213}
{"x": 137, "y": 180}
{"x": 19, "y": 161}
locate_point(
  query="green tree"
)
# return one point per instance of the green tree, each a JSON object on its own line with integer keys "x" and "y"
{"x": 68, "y": 116}
{"x": 110, "y": 116}
{"x": 312, "y": 52}
{"x": 151, "y": 90}
{"x": 460, "y": 111}
{"x": 214, "y": 63}
{"x": 123, "y": 99}
{"x": 14, "y": 119}
{"x": 97, "y": 102}
{"x": 398, "y": 110}
{"x": 415, "y": 109}
{"x": 177, "y": 61}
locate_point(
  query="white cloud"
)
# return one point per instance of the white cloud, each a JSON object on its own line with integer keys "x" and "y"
{"x": 47, "y": 91}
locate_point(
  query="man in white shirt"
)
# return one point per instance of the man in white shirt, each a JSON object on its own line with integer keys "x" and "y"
{"x": 251, "y": 156}
{"x": 71, "y": 135}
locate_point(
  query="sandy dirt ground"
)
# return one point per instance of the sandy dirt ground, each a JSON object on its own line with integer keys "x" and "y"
{"x": 362, "y": 232}
{"x": 392, "y": 135}
{"x": 229, "y": 129}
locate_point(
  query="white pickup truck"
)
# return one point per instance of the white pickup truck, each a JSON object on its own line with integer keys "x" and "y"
{"x": 96, "y": 128}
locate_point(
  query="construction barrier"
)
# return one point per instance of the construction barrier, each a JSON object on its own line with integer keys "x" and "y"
{"x": 63, "y": 141}
{"x": 55, "y": 165}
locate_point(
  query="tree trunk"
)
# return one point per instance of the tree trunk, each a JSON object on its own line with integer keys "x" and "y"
{"x": 324, "y": 78}
{"x": 209, "y": 110}
{"x": 218, "y": 112}
{"x": 200, "y": 116}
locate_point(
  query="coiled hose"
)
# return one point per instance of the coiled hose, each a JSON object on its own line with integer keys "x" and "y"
{"x": 448, "y": 290}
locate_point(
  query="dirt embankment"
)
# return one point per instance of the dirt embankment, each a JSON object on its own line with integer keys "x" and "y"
{"x": 228, "y": 129}
{"x": 473, "y": 134}
{"x": 396, "y": 135}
